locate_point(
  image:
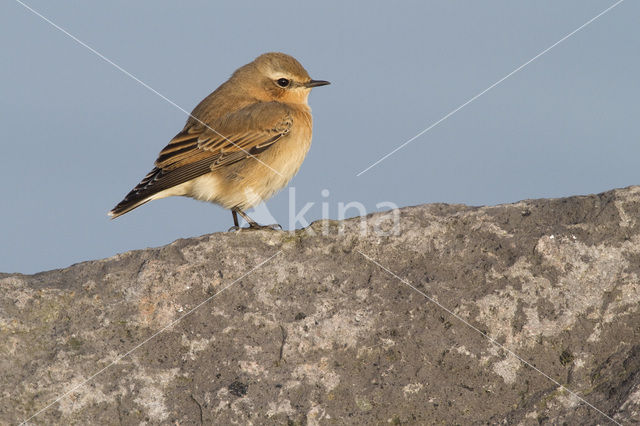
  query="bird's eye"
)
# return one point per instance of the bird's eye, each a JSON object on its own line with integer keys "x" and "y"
{"x": 283, "y": 82}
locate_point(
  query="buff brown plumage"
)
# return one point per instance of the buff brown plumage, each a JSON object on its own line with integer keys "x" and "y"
{"x": 241, "y": 144}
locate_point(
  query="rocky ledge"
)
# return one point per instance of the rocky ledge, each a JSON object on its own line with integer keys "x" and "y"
{"x": 524, "y": 313}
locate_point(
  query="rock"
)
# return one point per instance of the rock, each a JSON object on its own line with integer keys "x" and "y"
{"x": 524, "y": 313}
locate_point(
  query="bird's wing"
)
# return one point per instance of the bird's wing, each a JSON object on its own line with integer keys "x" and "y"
{"x": 242, "y": 134}
{"x": 200, "y": 148}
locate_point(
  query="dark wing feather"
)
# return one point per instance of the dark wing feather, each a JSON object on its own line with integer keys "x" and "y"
{"x": 201, "y": 149}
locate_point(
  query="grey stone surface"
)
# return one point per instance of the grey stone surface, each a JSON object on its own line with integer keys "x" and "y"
{"x": 321, "y": 335}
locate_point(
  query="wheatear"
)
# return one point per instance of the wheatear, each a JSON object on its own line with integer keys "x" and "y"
{"x": 242, "y": 143}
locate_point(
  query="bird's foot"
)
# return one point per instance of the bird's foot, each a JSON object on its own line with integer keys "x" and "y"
{"x": 255, "y": 227}
{"x": 272, "y": 227}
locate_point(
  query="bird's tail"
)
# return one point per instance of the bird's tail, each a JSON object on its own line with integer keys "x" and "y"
{"x": 142, "y": 193}
{"x": 125, "y": 206}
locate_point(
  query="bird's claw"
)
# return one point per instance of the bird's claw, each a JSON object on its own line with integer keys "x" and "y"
{"x": 256, "y": 227}
{"x": 273, "y": 227}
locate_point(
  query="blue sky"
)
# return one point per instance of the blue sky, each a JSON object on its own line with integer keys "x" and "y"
{"x": 78, "y": 134}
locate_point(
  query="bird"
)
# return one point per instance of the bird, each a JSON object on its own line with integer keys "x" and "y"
{"x": 240, "y": 145}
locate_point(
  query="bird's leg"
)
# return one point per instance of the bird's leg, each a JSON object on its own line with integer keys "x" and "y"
{"x": 252, "y": 223}
{"x": 236, "y": 225}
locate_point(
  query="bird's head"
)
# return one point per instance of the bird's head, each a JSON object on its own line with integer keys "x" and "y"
{"x": 277, "y": 77}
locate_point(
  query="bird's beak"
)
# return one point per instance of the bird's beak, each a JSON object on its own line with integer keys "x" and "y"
{"x": 316, "y": 83}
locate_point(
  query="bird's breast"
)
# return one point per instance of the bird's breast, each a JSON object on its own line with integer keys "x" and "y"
{"x": 281, "y": 162}
{"x": 287, "y": 155}
{"x": 254, "y": 180}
